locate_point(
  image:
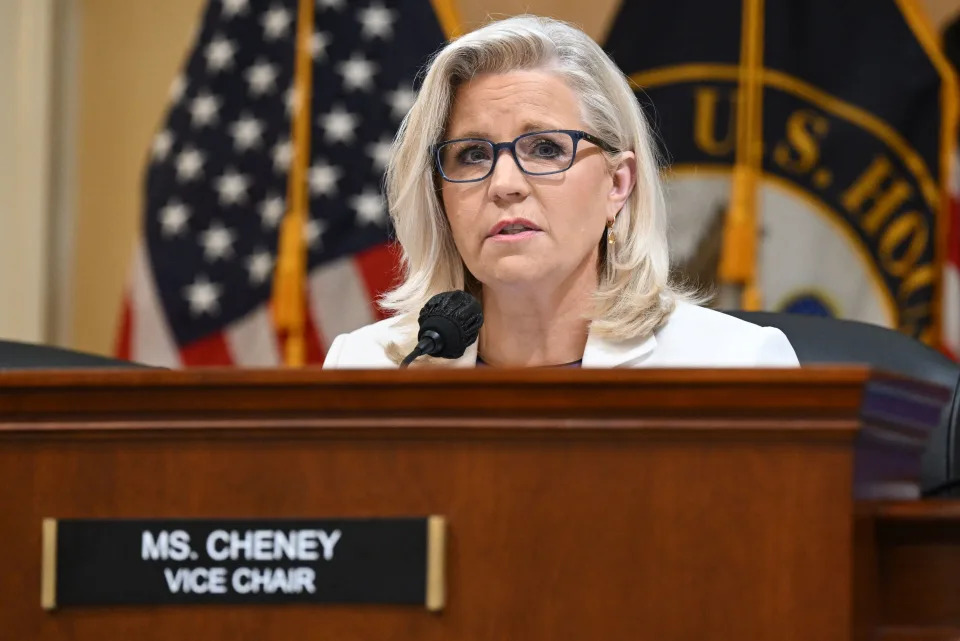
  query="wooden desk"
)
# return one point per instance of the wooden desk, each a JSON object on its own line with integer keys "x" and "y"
{"x": 911, "y": 555}
{"x": 637, "y": 504}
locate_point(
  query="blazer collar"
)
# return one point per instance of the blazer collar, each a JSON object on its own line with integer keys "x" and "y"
{"x": 599, "y": 352}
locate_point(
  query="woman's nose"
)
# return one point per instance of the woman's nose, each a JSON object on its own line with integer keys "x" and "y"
{"x": 507, "y": 180}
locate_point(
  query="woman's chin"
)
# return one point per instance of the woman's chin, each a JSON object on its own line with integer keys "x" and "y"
{"x": 517, "y": 270}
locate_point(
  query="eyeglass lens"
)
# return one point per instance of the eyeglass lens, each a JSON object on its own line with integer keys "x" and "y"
{"x": 537, "y": 153}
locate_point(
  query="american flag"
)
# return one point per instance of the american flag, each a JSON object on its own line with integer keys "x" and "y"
{"x": 216, "y": 182}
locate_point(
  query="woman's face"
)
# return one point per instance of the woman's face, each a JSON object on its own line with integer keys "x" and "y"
{"x": 563, "y": 214}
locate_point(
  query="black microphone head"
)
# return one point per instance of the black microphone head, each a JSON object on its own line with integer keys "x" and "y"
{"x": 456, "y": 316}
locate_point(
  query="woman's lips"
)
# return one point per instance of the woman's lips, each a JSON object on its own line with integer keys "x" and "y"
{"x": 511, "y": 222}
{"x": 513, "y": 230}
{"x": 514, "y": 237}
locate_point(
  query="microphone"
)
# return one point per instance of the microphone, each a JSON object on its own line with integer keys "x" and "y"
{"x": 449, "y": 323}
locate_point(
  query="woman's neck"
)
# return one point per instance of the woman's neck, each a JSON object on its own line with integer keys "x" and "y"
{"x": 535, "y": 326}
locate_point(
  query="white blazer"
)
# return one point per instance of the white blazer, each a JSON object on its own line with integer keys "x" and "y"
{"x": 692, "y": 337}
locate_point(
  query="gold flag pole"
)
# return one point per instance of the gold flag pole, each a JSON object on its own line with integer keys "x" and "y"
{"x": 290, "y": 278}
{"x": 738, "y": 263}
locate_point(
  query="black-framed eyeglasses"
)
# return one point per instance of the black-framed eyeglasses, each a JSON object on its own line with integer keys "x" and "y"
{"x": 539, "y": 153}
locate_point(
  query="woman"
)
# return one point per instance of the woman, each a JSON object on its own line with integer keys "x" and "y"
{"x": 525, "y": 174}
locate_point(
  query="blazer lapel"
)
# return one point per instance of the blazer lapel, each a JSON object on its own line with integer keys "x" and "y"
{"x": 601, "y": 352}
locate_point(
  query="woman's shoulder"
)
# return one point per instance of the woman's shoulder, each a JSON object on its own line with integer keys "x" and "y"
{"x": 718, "y": 339}
{"x": 688, "y": 315}
{"x": 365, "y": 347}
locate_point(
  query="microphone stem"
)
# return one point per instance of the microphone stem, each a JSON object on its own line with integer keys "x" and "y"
{"x": 427, "y": 345}
{"x": 412, "y": 356}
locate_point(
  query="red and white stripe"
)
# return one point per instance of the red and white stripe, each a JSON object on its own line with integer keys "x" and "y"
{"x": 341, "y": 298}
{"x": 144, "y": 334}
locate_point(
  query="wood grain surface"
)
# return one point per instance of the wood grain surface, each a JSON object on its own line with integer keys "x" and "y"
{"x": 581, "y": 505}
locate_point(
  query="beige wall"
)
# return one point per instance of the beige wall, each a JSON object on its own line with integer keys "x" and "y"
{"x": 130, "y": 51}
{"x": 9, "y": 20}
{"x": 26, "y": 45}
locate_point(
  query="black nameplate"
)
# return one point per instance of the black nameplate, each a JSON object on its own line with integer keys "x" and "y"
{"x": 167, "y": 561}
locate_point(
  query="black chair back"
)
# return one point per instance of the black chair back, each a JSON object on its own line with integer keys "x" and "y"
{"x": 17, "y": 356}
{"x": 828, "y": 340}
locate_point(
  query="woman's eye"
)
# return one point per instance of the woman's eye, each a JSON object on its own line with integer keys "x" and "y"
{"x": 473, "y": 155}
{"x": 547, "y": 149}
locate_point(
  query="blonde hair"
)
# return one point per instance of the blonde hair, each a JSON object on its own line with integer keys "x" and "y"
{"x": 634, "y": 296}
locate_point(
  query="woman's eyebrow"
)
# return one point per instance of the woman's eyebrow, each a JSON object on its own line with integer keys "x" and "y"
{"x": 473, "y": 133}
{"x": 528, "y": 126}
{"x": 536, "y": 125}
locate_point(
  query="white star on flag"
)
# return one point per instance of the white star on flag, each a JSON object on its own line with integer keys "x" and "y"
{"x": 189, "y": 164}
{"x": 232, "y": 187}
{"x": 276, "y": 23}
{"x": 313, "y": 233}
{"x": 173, "y": 218}
{"x": 330, "y": 4}
{"x": 357, "y": 73}
{"x": 162, "y": 144}
{"x": 377, "y": 21}
{"x": 234, "y": 7}
{"x": 400, "y": 102}
{"x": 369, "y": 206}
{"x": 262, "y": 78}
{"x": 271, "y": 211}
{"x": 203, "y": 110}
{"x": 323, "y": 179}
{"x": 219, "y": 54}
{"x": 318, "y": 45}
{"x": 380, "y": 153}
{"x": 259, "y": 266}
{"x": 217, "y": 242}
{"x": 338, "y": 125}
{"x": 282, "y": 155}
{"x": 203, "y": 296}
{"x": 246, "y": 133}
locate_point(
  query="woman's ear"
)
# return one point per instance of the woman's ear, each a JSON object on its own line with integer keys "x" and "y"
{"x": 624, "y": 179}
